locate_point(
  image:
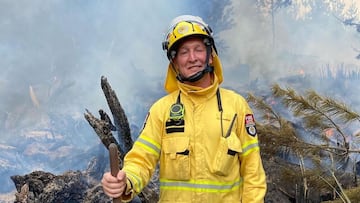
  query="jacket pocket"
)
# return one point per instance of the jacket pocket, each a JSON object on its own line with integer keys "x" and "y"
{"x": 176, "y": 159}
{"x": 227, "y": 155}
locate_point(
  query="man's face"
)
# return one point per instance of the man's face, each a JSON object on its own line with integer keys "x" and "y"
{"x": 191, "y": 56}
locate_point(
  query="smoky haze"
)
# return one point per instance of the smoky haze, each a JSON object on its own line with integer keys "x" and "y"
{"x": 54, "y": 52}
{"x": 289, "y": 42}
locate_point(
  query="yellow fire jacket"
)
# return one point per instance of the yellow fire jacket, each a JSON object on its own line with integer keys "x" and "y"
{"x": 201, "y": 160}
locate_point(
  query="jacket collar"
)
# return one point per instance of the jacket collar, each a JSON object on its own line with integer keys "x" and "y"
{"x": 198, "y": 92}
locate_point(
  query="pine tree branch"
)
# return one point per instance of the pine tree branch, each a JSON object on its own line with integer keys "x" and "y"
{"x": 340, "y": 109}
{"x": 307, "y": 107}
{"x": 269, "y": 114}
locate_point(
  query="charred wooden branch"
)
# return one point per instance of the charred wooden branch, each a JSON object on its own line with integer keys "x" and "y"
{"x": 120, "y": 119}
{"x": 102, "y": 129}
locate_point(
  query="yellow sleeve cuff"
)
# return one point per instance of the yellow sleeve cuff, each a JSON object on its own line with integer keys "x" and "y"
{"x": 129, "y": 192}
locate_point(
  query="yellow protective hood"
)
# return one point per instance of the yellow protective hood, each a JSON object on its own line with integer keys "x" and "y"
{"x": 171, "y": 81}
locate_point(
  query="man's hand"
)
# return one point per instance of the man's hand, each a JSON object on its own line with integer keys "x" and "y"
{"x": 114, "y": 186}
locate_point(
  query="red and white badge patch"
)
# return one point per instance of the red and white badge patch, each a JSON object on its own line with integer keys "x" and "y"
{"x": 250, "y": 124}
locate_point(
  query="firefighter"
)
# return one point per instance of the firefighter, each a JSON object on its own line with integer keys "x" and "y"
{"x": 203, "y": 136}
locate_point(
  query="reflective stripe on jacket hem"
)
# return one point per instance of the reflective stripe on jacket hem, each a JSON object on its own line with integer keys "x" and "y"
{"x": 200, "y": 186}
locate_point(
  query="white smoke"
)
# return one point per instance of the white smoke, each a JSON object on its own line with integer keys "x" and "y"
{"x": 303, "y": 37}
{"x": 60, "y": 49}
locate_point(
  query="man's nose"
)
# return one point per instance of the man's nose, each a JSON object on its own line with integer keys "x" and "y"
{"x": 192, "y": 56}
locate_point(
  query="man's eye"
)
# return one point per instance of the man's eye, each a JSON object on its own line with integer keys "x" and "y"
{"x": 183, "y": 52}
{"x": 199, "y": 49}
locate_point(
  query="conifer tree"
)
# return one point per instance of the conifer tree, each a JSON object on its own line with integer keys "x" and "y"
{"x": 313, "y": 129}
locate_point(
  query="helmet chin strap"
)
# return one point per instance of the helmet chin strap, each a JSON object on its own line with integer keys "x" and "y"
{"x": 197, "y": 76}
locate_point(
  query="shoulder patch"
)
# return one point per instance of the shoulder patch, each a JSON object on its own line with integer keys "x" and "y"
{"x": 250, "y": 124}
